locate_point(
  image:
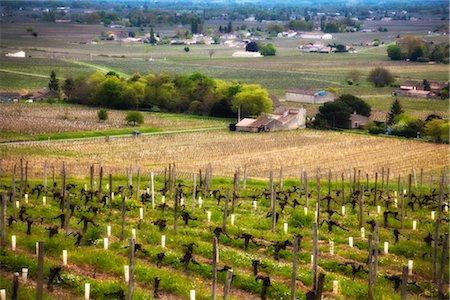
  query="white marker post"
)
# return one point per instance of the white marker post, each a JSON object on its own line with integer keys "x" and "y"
{"x": 285, "y": 228}
{"x": 3, "y": 294}
{"x": 24, "y": 274}
{"x": 350, "y": 241}
{"x": 37, "y": 248}
{"x": 13, "y": 243}
{"x": 208, "y": 215}
{"x": 108, "y": 231}
{"x": 44, "y": 200}
{"x": 335, "y": 287}
{"x": 182, "y": 201}
{"x": 87, "y": 291}
{"x": 414, "y": 225}
{"x": 192, "y": 294}
{"x": 232, "y": 219}
{"x": 343, "y": 210}
{"x": 363, "y": 233}
{"x": 17, "y": 204}
{"x": 105, "y": 243}
{"x": 410, "y": 267}
{"x": 386, "y": 247}
{"x": 26, "y": 198}
{"x": 331, "y": 247}
{"x": 133, "y": 234}
{"x": 378, "y": 209}
{"x": 200, "y": 202}
{"x": 305, "y": 209}
{"x": 163, "y": 241}
{"x": 126, "y": 272}
{"x": 64, "y": 257}
{"x": 163, "y": 199}
{"x": 432, "y": 215}
{"x": 152, "y": 184}
{"x": 254, "y": 205}
{"x": 141, "y": 213}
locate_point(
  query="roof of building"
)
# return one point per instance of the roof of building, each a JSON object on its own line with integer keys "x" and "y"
{"x": 45, "y": 94}
{"x": 411, "y": 83}
{"x": 357, "y": 117}
{"x": 245, "y": 122}
{"x": 303, "y": 91}
{"x": 263, "y": 121}
{"x": 275, "y": 101}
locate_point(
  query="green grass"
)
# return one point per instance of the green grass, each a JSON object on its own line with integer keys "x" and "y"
{"x": 91, "y": 256}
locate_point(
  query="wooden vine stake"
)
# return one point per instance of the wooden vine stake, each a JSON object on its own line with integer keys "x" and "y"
{"x": 122, "y": 228}
{"x": 40, "y": 275}
{"x": 131, "y": 268}
{"x": 15, "y": 286}
{"x": 370, "y": 262}
{"x": 294, "y": 266}
{"x": 110, "y": 193}
{"x": 227, "y": 285}
{"x": 436, "y": 229}
{"x": 214, "y": 268}
{"x": 194, "y": 192}
{"x": 404, "y": 281}
{"x": 442, "y": 268}
{"x": 3, "y": 220}
{"x": 315, "y": 252}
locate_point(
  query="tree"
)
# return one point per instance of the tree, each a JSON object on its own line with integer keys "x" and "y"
{"x": 152, "y": 36}
{"x": 186, "y": 49}
{"x": 134, "y": 117}
{"x": 252, "y": 47}
{"x": 102, "y": 114}
{"x": 252, "y": 100}
{"x": 380, "y": 77}
{"x": 356, "y": 104}
{"x": 438, "y": 130}
{"x": 68, "y": 87}
{"x": 267, "y": 49}
{"x": 336, "y": 114}
{"x": 53, "y": 84}
{"x": 394, "y": 52}
{"x": 408, "y": 44}
{"x": 396, "y": 109}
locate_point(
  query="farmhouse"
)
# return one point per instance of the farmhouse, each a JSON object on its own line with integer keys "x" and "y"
{"x": 357, "y": 121}
{"x": 19, "y": 54}
{"x": 416, "y": 89}
{"x": 309, "y": 96}
{"x": 11, "y": 96}
{"x": 44, "y": 95}
{"x": 316, "y": 36}
{"x": 283, "y": 118}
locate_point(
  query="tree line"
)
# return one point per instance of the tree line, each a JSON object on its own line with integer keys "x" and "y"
{"x": 189, "y": 93}
{"x": 417, "y": 49}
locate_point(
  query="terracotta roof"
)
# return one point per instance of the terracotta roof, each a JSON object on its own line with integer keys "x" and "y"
{"x": 358, "y": 117}
{"x": 411, "y": 83}
{"x": 263, "y": 121}
{"x": 275, "y": 101}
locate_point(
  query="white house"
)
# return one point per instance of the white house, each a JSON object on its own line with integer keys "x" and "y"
{"x": 20, "y": 54}
{"x": 316, "y": 36}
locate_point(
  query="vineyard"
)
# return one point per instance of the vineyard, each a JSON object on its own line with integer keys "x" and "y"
{"x": 293, "y": 151}
{"x": 170, "y": 236}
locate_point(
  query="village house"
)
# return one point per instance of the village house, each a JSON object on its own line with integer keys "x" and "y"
{"x": 309, "y": 96}
{"x": 11, "y": 96}
{"x": 357, "y": 121}
{"x": 283, "y": 118}
{"x": 417, "y": 89}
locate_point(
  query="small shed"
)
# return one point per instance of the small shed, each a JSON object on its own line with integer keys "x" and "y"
{"x": 357, "y": 121}
{"x": 19, "y": 54}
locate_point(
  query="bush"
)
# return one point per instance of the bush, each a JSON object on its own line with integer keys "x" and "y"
{"x": 102, "y": 114}
{"x": 268, "y": 50}
{"x": 376, "y": 127}
{"x": 134, "y": 118}
{"x": 423, "y": 59}
{"x": 186, "y": 49}
{"x": 394, "y": 52}
{"x": 380, "y": 77}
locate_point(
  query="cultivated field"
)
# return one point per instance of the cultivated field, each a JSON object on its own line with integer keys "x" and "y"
{"x": 180, "y": 270}
{"x": 42, "y": 121}
{"x": 226, "y": 151}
